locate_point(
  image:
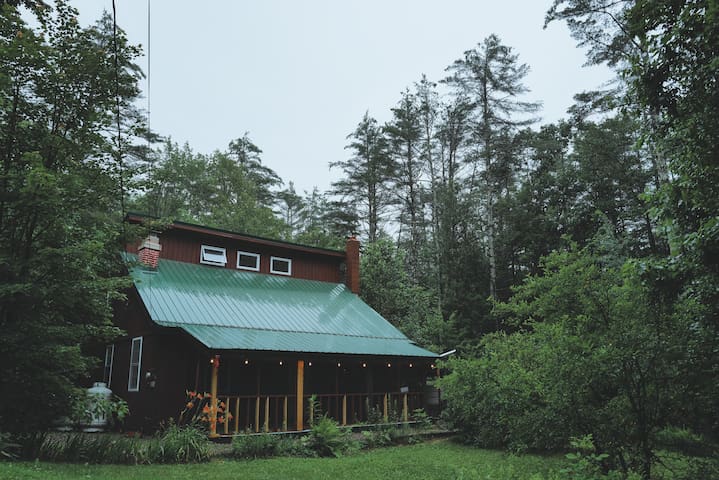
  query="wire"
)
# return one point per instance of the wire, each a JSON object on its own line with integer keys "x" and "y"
{"x": 117, "y": 113}
{"x": 149, "y": 64}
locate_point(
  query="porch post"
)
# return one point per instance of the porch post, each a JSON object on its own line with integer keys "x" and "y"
{"x": 300, "y": 394}
{"x": 213, "y": 399}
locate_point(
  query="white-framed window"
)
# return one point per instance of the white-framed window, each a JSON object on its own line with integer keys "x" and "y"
{"x": 210, "y": 255}
{"x": 281, "y": 266}
{"x": 133, "y": 380}
{"x": 109, "y": 355}
{"x": 248, "y": 261}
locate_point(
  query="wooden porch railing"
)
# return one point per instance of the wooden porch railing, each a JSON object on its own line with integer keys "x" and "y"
{"x": 275, "y": 413}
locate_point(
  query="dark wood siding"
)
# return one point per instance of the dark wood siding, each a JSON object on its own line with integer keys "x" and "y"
{"x": 185, "y": 247}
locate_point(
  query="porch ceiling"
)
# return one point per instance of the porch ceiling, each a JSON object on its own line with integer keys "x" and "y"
{"x": 231, "y": 309}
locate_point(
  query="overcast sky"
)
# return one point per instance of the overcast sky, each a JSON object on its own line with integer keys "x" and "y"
{"x": 299, "y": 75}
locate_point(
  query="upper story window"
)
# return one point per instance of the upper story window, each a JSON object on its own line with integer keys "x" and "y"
{"x": 281, "y": 266}
{"x": 213, "y": 256}
{"x": 248, "y": 261}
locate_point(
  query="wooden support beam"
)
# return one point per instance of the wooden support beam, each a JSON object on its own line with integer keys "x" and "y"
{"x": 237, "y": 415}
{"x": 344, "y": 409}
{"x": 257, "y": 414}
{"x": 405, "y": 412}
{"x": 213, "y": 394}
{"x": 300, "y": 394}
{"x": 227, "y": 415}
{"x": 284, "y": 414}
{"x": 385, "y": 416}
{"x": 266, "y": 426}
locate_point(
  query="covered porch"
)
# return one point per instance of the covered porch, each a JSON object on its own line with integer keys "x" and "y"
{"x": 272, "y": 391}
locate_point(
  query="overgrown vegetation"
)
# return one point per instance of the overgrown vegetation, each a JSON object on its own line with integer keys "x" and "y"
{"x": 176, "y": 444}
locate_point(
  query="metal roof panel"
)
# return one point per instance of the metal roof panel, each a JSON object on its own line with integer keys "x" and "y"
{"x": 233, "y": 309}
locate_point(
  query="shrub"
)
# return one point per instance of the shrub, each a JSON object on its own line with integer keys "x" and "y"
{"x": 376, "y": 438}
{"x": 295, "y": 447}
{"x": 423, "y": 420}
{"x": 329, "y": 440}
{"x": 261, "y": 445}
{"x": 684, "y": 441}
{"x": 8, "y": 448}
{"x": 184, "y": 444}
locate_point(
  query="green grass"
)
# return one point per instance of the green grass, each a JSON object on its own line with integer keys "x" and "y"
{"x": 433, "y": 460}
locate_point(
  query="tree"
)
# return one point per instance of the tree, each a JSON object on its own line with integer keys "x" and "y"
{"x": 670, "y": 55}
{"x": 593, "y": 354}
{"x": 247, "y": 155}
{"x": 291, "y": 207}
{"x": 403, "y": 135}
{"x": 388, "y": 289}
{"x": 63, "y": 182}
{"x": 367, "y": 175}
{"x": 490, "y": 78}
{"x": 176, "y": 184}
{"x": 325, "y": 222}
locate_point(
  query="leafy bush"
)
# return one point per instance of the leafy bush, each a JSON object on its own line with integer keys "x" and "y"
{"x": 377, "y": 438}
{"x": 295, "y": 447}
{"x": 8, "y": 448}
{"x": 423, "y": 420}
{"x": 329, "y": 440}
{"x": 260, "y": 445}
{"x": 184, "y": 444}
{"x": 685, "y": 441}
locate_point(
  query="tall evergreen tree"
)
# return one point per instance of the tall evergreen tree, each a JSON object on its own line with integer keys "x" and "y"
{"x": 490, "y": 78}
{"x": 367, "y": 175}
{"x": 404, "y": 136}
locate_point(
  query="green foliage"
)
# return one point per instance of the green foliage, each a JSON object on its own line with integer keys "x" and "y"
{"x": 7, "y": 446}
{"x": 377, "y": 438}
{"x": 367, "y": 175}
{"x": 591, "y": 355}
{"x": 261, "y": 445}
{"x": 328, "y": 439}
{"x": 87, "y": 406}
{"x": 183, "y": 444}
{"x": 387, "y": 288}
{"x": 63, "y": 182}
{"x": 684, "y": 441}
{"x": 175, "y": 445}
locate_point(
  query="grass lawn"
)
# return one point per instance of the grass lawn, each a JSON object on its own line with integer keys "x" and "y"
{"x": 439, "y": 459}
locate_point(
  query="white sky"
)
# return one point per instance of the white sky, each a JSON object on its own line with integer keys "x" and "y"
{"x": 299, "y": 75}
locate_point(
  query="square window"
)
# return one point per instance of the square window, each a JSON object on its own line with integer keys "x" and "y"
{"x": 281, "y": 266}
{"x": 213, "y": 256}
{"x": 248, "y": 261}
{"x": 133, "y": 381}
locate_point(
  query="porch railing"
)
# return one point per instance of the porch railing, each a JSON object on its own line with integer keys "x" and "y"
{"x": 276, "y": 413}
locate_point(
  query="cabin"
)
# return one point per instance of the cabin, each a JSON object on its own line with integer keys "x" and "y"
{"x": 262, "y": 326}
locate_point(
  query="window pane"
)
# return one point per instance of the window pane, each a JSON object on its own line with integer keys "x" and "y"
{"x": 135, "y": 357}
{"x": 247, "y": 261}
{"x": 281, "y": 265}
{"x": 134, "y": 377}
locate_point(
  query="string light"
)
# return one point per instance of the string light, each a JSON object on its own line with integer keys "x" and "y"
{"x": 247, "y": 362}
{"x": 280, "y": 363}
{"x": 364, "y": 365}
{"x": 410, "y": 365}
{"x": 339, "y": 364}
{"x": 389, "y": 365}
{"x": 309, "y": 364}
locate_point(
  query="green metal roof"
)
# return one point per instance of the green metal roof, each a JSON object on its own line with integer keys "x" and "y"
{"x": 232, "y": 309}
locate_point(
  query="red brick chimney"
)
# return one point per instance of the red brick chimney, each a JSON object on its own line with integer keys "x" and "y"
{"x": 352, "y": 250}
{"x": 149, "y": 252}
